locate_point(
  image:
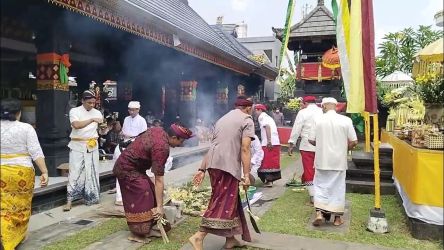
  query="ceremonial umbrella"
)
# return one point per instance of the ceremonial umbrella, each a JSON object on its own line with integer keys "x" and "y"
{"x": 330, "y": 59}
{"x": 430, "y": 58}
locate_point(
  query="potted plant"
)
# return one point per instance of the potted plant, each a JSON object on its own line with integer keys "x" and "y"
{"x": 430, "y": 88}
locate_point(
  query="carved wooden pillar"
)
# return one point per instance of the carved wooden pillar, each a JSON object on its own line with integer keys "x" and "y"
{"x": 52, "y": 107}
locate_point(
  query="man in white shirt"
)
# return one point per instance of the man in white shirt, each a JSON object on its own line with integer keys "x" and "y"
{"x": 270, "y": 169}
{"x": 83, "y": 178}
{"x": 303, "y": 124}
{"x": 133, "y": 125}
{"x": 333, "y": 136}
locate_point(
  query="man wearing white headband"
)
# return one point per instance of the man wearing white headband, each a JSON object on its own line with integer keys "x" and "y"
{"x": 333, "y": 135}
{"x": 133, "y": 125}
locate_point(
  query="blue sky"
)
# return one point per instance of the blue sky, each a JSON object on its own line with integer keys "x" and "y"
{"x": 261, "y": 15}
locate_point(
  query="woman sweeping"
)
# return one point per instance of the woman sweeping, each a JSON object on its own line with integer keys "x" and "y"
{"x": 143, "y": 199}
{"x": 19, "y": 147}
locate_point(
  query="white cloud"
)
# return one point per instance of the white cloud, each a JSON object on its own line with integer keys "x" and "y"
{"x": 239, "y": 5}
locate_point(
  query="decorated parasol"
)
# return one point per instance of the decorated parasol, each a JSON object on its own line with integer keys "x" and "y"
{"x": 330, "y": 59}
{"x": 430, "y": 59}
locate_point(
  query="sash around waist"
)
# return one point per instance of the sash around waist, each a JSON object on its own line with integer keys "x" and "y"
{"x": 10, "y": 156}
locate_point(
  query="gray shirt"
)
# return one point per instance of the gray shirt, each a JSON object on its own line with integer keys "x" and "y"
{"x": 225, "y": 149}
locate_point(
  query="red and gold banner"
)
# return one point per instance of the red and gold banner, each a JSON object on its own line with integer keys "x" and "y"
{"x": 188, "y": 91}
{"x": 316, "y": 71}
{"x": 51, "y": 69}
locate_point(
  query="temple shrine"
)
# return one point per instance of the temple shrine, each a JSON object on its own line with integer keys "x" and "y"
{"x": 163, "y": 55}
{"x": 313, "y": 42}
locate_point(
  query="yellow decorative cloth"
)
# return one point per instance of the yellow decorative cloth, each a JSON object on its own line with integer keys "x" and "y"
{"x": 16, "y": 189}
{"x": 418, "y": 171}
{"x": 91, "y": 143}
{"x": 10, "y": 156}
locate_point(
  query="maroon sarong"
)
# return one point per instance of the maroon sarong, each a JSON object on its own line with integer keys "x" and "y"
{"x": 308, "y": 165}
{"x": 224, "y": 216}
{"x": 138, "y": 199}
{"x": 270, "y": 169}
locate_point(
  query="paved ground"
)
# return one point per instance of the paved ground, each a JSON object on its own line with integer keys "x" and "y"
{"x": 54, "y": 224}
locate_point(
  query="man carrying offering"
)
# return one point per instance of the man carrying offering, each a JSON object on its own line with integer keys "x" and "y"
{"x": 83, "y": 178}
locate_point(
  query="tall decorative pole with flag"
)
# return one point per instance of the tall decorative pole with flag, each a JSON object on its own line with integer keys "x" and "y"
{"x": 285, "y": 36}
{"x": 357, "y": 56}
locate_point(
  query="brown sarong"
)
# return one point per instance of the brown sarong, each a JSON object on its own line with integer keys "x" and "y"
{"x": 224, "y": 216}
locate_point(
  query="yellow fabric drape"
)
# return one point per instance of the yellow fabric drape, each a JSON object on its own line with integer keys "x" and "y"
{"x": 418, "y": 171}
{"x": 356, "y": 98}
{"x": 16, "y": 189}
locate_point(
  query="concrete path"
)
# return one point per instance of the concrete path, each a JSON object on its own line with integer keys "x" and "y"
{"x": 53, "y": 225}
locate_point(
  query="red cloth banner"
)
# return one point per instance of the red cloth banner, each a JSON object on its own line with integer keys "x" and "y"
{"x": 368, "y": 54}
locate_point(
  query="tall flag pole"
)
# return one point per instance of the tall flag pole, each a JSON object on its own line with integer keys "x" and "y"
{"x": 356, "y": 97}
{"x": 342, "y": 17}
{"x": 286, "y": 33}
{"x": 368, "y": 53}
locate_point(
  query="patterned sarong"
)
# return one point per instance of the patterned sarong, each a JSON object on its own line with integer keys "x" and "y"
{"x": 224, "y": 216}
{"x": 270, "y": 169}
{"x": 138, "y": 196}
{"x": 16, "y": 189}
{"x": 83, "y": 178}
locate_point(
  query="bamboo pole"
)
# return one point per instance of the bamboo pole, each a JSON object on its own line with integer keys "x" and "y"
{"x": 376, "y": 162}
{"x": 367, "y": 131}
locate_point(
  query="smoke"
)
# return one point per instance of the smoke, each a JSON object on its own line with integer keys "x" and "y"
{"x": 147, "y": 66}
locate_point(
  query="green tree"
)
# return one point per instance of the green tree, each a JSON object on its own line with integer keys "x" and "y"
{"x": 398, "y": 49}
{"x": 288, "y": 86}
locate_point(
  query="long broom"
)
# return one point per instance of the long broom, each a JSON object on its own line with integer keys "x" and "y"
{"x": 253, "y": 217}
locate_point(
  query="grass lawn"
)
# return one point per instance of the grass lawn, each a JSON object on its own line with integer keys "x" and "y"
{"x": 290, "y": 215}
{"x": 178, "y": 236}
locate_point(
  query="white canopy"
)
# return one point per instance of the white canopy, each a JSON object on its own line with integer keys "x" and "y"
{"x": 397, "y": 79}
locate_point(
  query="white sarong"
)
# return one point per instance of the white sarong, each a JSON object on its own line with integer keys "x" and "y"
{"x": 329, "y": 190}
{"x": 83, "y": 177}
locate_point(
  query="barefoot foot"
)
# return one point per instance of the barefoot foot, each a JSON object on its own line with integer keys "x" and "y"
{"x": 338, "y": 221}
{"x": 196, "y": 242}
{"x": 139, "y": 239}
{"x": 231, "y": 243}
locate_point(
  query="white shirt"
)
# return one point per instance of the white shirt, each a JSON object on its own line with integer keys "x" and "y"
{"x": 302, "y": 126}
{"x": 332, "y": 133}
{"x": 88, "y": 132}
{"x": 19, "y": 138}
{"x": 257, "y": 154}
{"x": 264, "y": 120}
{"x": 134, "y": 126}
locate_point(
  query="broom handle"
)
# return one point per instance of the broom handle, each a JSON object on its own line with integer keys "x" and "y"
{"x": 376, "y": 161}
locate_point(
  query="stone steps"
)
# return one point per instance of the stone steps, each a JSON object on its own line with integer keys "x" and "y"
{"x": 367, "y": 174}
{"x": 368, "y": 187}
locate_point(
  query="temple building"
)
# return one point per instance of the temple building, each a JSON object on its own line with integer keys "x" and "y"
{"x": 161, "y": 53}
{"x": 313, "y": 41}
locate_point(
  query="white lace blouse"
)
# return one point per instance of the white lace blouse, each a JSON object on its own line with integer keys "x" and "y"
{"x": 19, "y": 138}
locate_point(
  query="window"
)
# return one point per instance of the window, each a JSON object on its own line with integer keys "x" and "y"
{"x": 269, "y": 54}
